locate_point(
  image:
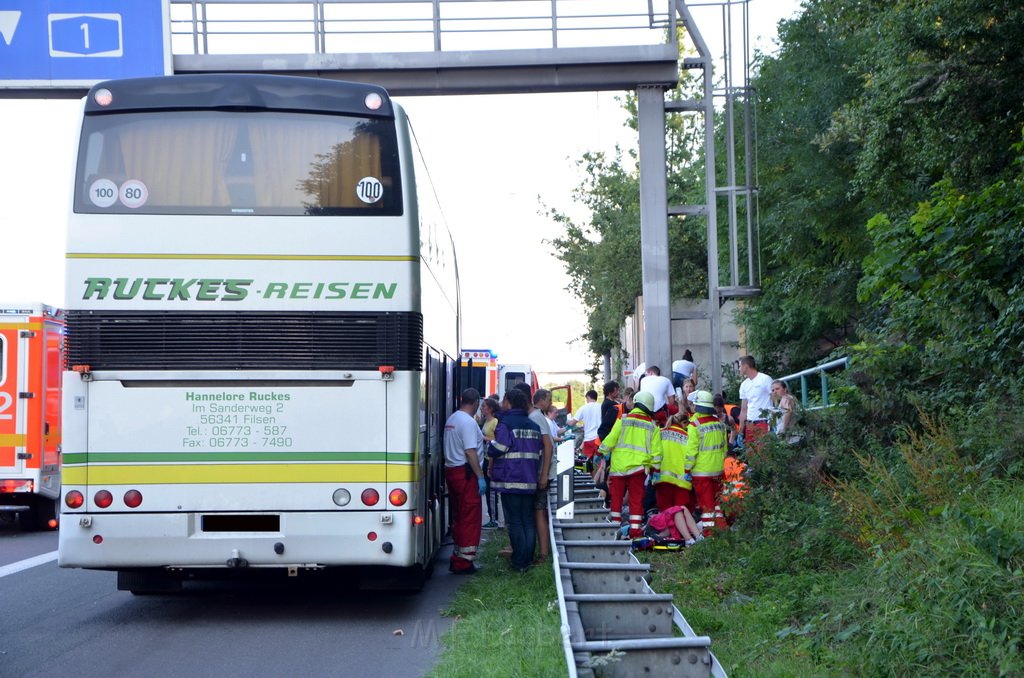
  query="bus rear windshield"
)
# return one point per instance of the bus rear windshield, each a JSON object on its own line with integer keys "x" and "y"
{"x": 238, "y": 162}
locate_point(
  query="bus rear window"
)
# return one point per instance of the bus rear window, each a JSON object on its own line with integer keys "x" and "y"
{"x": 237, "y": 162}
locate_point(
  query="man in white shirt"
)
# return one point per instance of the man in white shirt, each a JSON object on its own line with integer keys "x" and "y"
{"x": 664, "y": 393}
{"x": 756, "y": 407}
{"x": 465, "y": 480}
{"x": 639, "y": 372}
{"x": 590, "y": 415}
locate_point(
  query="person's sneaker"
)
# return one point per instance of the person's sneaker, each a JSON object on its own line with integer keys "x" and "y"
{"x": 490, "y": 525}
{"x": 690, "y": 542}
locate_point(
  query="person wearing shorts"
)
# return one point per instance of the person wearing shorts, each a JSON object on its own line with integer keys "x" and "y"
{"x": 590, "y": 416}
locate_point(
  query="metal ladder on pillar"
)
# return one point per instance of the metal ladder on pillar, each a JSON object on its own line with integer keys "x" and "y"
{"x": 652, "y": 108}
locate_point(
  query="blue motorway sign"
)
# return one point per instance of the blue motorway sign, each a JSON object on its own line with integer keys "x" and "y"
{"x": 61, "y": 43}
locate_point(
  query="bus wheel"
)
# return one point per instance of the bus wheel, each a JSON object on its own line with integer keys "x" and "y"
{"x": 413, "y": 578}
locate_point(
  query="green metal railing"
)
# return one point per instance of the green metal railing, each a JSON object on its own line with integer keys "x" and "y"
{"x": 821, "y": 372}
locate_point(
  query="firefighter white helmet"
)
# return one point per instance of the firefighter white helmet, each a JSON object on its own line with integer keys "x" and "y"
{"x": 646, "y": 399}
{"x": 704, "y": 399}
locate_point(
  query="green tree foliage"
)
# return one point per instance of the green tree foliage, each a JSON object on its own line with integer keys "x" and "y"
{"x": 950, "y": 279}
{"x": 869, "y": 107}
{"x": 602, "y": 256}
{"x": 889, "y": 540}
{"x": 863, "y": 109}
{"x": 940, "y": 95}
{"x": 812, "y": 224}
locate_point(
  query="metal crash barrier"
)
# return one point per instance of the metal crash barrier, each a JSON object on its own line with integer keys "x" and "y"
{"x": 613, "y": 624}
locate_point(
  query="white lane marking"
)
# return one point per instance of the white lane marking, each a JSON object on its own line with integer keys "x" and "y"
{"x": 28, "y": 563}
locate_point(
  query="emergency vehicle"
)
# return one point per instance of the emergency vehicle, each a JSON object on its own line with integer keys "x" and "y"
{"x": 479, "y": 369}
{"x": 31, "y": 362}
{"x": 516, "y": 373}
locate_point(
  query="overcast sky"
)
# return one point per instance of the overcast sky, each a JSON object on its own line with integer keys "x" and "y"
{"x": 490, "y": 157}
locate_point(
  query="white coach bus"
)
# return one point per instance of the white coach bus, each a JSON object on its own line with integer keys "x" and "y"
{"x": 262, "y": 334}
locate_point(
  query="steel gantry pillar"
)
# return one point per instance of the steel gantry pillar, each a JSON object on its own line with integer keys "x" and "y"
{"x": 654, "y": 227}
{"x": 657, "y": 320}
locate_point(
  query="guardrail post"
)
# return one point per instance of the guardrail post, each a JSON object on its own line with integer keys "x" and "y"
{"x": 437, "y": 25}
{"x": 824, "y": 389}
{"x": 803, "y": 390}
{"x": 554, "y": 23}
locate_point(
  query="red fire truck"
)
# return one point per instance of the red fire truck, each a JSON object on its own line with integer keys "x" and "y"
{"x": 31, "y": 362}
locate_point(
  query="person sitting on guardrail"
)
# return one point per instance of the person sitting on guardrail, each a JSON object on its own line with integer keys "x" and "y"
{"x": 589, "y": 416}
{"x": 631, "y": 445}
{"x": 785, "y": 404}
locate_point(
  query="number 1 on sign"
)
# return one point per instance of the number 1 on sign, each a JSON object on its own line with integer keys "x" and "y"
{"x": 85, "y": 34}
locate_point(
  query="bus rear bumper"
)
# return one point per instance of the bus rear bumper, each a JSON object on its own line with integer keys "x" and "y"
{"x": 305, "y": 540}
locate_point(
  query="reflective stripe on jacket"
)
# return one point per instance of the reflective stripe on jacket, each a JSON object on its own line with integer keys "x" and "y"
{"x": 673, "y": 462}
{"x": 633, "y": 443}
{"x": 707, "y": 442}
{"x": 515, "y": 453}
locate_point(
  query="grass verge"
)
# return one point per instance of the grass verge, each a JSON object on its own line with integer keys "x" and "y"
{"x": 505, "y": 623}
{"x": 949, "y": 602}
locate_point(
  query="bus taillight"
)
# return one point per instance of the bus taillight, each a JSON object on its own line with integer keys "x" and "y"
{"x": 398, "y": 497}
{"x": 132, "y": 498}
{"x": 103, "y": 499}
{"x": 74, "y": 499}
{"x": 370, "y": 497}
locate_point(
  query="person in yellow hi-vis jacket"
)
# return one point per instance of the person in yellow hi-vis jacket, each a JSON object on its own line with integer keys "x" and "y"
{"x": 671, "y": 470}
{"x": 633, "y": 443}
{"x": 707, "y": 441}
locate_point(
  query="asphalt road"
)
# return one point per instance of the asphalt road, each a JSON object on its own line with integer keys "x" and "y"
{"x": 75, "y": 622}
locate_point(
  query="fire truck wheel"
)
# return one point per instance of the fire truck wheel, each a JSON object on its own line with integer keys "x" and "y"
{"x": 27, "y": 520}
